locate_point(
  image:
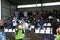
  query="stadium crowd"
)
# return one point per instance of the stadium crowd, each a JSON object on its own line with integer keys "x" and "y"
{"x": 32, "y": 18}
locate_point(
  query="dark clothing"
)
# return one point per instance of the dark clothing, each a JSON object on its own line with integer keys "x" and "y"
{"x": 13, "y": 27}
{"x": 29, "y": 14}
{"x": 1, "y": 28}
{"x": 48, "y": 37}
{"x": 41, "y": 21}
{"x": 54, "y": 25}
{"x": 19, "y": 39}
{"x": 8, "y": 25}
{"x": 11, "y": 18}
{"x": 20, "y": 15}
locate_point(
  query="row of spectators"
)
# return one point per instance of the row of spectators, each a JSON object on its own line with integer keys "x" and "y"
{"x": 32, "y": 18}
{"x": 48, "y": 17}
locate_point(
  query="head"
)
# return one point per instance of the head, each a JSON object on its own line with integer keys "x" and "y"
{"x": 14, "y": 18}
{"x": 20, "y": 27}
{"x": 1, "y": 23}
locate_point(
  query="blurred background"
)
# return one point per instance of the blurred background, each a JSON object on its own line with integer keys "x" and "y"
{"x": 39, "y": 19}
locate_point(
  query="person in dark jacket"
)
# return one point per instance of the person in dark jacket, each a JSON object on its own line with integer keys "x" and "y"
{"x": 40, "y": 22}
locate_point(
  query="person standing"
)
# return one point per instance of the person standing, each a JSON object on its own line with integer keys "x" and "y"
{"x": 14, "y": 21}
{"x": 40, "y": 23}
{"x": 19, "y": 33}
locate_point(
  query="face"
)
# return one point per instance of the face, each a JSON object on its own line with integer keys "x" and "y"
{"x": 14, "y": 18}
{"x": 20, "y": 27}
{"x": 1, "y": 22}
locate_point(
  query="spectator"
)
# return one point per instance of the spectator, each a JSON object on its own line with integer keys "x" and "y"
{"x": 14, "y": 21}
{"x": 2, "y": 33}
{"x": 40, "y": 23}
{"x": 54, "y": 25}
{"x": 1, "y": 26}
{"x": 8, "y": 24}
